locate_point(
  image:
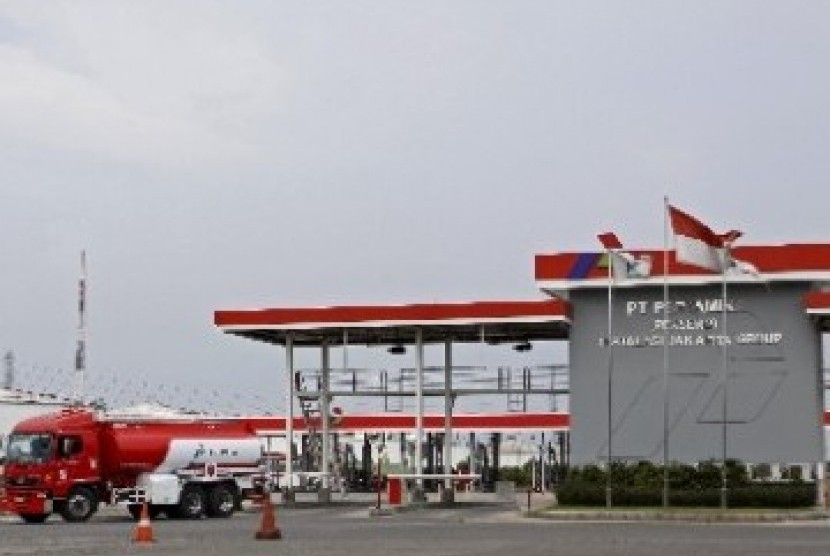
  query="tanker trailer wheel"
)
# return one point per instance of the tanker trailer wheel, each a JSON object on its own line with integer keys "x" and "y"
{"x": 221, "y": 501}
{"x": 80, "y": 504}
{"x": 192, "y": 503}
{"x": 34, "y": 518}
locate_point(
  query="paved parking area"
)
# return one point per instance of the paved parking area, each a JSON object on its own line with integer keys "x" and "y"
{"x": 474, "y": 530}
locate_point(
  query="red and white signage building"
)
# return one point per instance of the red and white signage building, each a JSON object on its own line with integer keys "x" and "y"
{"x": 575, "y": 310}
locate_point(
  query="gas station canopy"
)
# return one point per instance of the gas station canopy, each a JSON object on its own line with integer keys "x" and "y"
{"x": 494, "y": 322}
{"x": 498, "y": 322}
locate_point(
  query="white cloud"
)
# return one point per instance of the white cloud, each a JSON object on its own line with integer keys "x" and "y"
{"x": 214, "y": 153}
{"x": 117, "y": 82}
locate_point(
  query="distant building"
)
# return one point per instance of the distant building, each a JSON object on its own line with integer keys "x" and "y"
{"x": 16, "y": 405}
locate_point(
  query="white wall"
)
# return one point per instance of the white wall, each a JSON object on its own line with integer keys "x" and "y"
{"x": 12, "y": 411}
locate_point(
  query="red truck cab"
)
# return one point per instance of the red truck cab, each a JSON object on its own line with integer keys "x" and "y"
{"x": 52, "y": 465}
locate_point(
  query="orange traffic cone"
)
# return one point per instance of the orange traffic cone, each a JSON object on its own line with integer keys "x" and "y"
{"x": 268, "y": 530}
{"x": 143, "y": 532}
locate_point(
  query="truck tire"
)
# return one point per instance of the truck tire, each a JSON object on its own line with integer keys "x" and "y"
{"x": 221, "y": 501}
{"x": 81, "y": 503}
{"x": 192, "y": 503}
{"x": 34, "y": 518}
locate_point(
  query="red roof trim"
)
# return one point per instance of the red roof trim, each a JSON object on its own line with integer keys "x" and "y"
{"x": 419, "y": 313}
{"x": 405, "y": 422}
{"x": 387, "y": 422}
{"x": 767, "y": 258}
{"x": 817, "y": 300}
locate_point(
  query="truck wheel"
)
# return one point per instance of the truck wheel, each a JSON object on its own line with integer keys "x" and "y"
{"x": 80, "y": 505}
{"x": 192, "y": 503}
{"x": 221, "y": 502}
{"x": 34, "y": 518}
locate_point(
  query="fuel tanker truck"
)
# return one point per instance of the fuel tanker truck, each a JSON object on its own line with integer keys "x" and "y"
{"x": 70, "y": 461}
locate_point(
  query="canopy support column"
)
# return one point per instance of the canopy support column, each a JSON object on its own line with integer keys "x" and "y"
{"x": 447, "y": 494}
{"x": 325, "y": 411}
{"x": 288, "y": 495}
{"x": 418, "y": 495}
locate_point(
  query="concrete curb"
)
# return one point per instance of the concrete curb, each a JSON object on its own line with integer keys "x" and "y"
{"x": 386, "y": 511}
{"x": 306, "y": 505}
{"x": 382, "y": 512}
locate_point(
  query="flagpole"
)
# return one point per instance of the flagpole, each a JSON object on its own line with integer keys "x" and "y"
{"x": 724, "y": 380}
{"x": 608, "y": 487}
{"x": 665, "y": 352}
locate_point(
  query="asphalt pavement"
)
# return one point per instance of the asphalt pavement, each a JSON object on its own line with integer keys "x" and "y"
{"x": 474, "y": 529}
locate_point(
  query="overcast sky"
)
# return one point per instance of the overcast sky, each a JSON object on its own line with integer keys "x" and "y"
{"x": 220, "y": 155}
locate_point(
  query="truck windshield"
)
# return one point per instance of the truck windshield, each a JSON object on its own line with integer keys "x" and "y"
{"x": 28, "y": 448}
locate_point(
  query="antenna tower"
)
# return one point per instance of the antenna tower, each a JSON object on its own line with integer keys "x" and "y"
{"x": 80, "y": 351}
{"x": 8, "y": 379}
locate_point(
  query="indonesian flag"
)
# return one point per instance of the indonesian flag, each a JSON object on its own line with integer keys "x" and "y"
{"x": 610, "y": 241}
{"x": 697, "y": 244}
{"x": 744, "y": 267}
{"x": 623, "y": 264}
